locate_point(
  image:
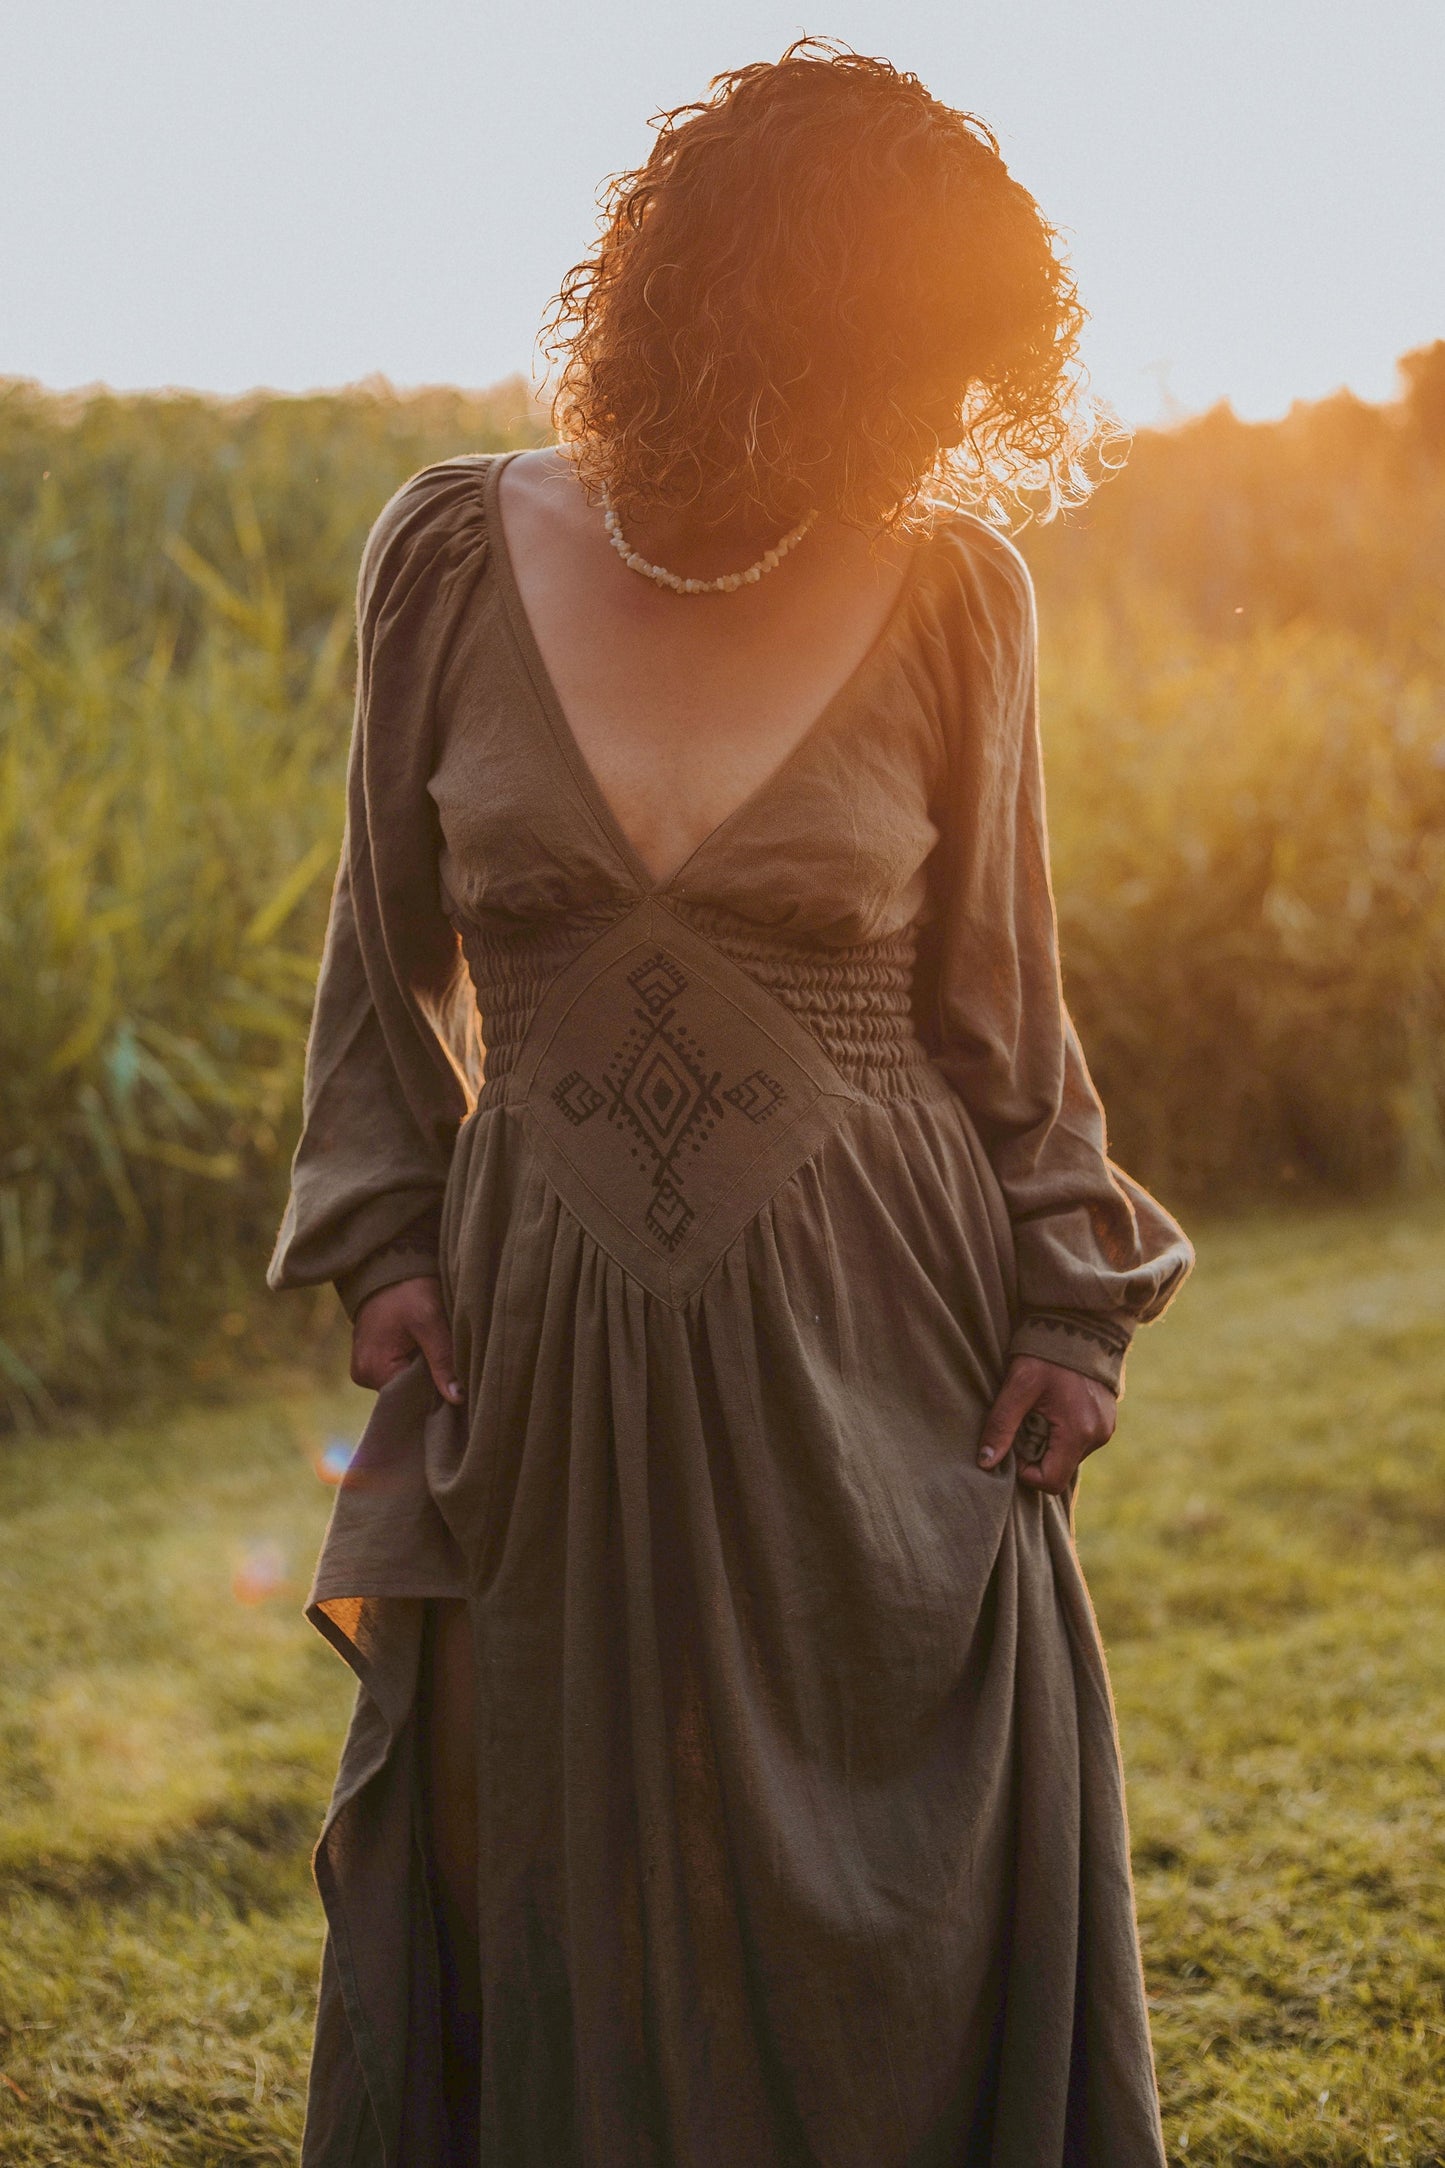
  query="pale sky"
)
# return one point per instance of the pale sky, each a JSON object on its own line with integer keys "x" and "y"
{"x": 296, "y": 193}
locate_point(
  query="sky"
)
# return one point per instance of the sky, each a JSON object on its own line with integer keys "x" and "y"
{"x": 295, "y": 193}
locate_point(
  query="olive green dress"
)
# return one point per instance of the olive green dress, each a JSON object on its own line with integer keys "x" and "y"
{"x": 800, "y": 1821}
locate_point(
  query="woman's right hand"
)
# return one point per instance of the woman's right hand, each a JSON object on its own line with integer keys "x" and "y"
{"x": 393, "y": 1325}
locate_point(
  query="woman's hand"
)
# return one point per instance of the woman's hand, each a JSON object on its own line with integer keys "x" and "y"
{"x": 1079, "y": 1412}
{"x": 392, "y": 1325}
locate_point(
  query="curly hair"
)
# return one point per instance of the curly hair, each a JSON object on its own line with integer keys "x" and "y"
{"x": 824, "y": 290}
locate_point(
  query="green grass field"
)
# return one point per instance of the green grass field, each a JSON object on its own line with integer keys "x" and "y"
{"x": 1264, "y": 1540}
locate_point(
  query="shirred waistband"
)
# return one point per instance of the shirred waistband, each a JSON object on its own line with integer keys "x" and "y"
{"x": 856, "y": 1001}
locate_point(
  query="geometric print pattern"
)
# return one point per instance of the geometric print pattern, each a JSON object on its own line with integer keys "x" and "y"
{"x": 658, "y": 1089}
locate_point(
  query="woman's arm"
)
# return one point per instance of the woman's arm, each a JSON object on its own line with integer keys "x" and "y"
{"x": 1096, "y": 1255}
{"x": 393, "y": 1055}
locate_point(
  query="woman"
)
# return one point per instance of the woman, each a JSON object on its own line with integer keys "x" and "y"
{"x": 733, "y": 1780}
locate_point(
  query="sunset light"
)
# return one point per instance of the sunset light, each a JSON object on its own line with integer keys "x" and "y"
{"x": 722, "y": 1084}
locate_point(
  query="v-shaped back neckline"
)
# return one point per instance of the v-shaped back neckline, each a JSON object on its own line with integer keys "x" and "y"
{"x": 544, "y": 690}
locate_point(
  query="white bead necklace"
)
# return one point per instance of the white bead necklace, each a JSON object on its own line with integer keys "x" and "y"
{"x": 729, "y": 582}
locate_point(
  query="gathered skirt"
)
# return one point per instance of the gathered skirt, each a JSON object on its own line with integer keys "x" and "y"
{"x": 801, "y": 1826}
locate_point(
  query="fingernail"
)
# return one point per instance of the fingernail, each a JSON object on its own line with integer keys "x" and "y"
{"x": 985, "y": 1460}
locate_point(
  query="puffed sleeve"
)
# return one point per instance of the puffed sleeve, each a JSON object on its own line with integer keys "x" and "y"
{"x": 1096, "y": 1255}
{"x": 393, "y": 1056}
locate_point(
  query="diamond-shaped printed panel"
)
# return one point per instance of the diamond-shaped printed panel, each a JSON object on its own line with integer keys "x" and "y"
{"x": 702, "y": 1078}
{"x": 658, "y": 981}
{"x": 759, "y": 1096}
{"x": 660, "y": 1093}
{"x": 576, "y": 1098}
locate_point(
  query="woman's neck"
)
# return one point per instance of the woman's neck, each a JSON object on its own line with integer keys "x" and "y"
{"x": 701, "y": 542}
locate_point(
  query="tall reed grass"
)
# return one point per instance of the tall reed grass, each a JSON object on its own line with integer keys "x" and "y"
{"x": 165, "y": 835}
{"x": 1249, "y": 858}
{"x": 1248, "y": 803}
{"x": 175, "y": 663}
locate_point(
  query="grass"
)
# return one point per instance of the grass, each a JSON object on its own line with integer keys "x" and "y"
{"x": 1264, "y": 1540}
{"x": 167, "y": 1752}
{"x": 1264, "y": 1545}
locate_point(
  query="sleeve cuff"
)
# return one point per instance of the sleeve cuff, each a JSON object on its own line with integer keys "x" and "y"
{"x": 1093, "y": 1342}
{"x": 385, "y": 1268}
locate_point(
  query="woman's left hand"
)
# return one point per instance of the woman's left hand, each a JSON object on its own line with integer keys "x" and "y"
{"x": 1079, "y": 1411}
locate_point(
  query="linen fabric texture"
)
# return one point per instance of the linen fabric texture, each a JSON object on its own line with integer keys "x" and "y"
{"x": 800, "y": 1819}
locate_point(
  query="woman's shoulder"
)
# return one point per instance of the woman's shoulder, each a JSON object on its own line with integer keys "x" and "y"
{"x": 434, "y": 515}
{"x": 976, "y": 615}
{"x": 980, "y": 556}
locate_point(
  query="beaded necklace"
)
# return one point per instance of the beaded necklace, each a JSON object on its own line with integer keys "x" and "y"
{"x": 726, "y": 585}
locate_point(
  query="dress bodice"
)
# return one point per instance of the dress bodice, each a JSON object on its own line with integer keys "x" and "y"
{"x": 885, "y": 891}
{"x": 833, "y": 846}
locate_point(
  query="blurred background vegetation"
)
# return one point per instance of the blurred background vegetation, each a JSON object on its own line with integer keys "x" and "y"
{"x": 1244, "y": 699}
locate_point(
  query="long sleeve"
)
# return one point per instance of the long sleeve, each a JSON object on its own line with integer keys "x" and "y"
{"x": 1096, "y": 1254}
{"x": 393, "y": 1054}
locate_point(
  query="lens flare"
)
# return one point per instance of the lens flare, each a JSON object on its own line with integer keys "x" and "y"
{"x": 260, "y": 1573}
{"x": 334, "y": 1458}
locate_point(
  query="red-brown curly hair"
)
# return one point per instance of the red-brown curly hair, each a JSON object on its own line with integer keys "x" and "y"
{"x": 823, "y": 289}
